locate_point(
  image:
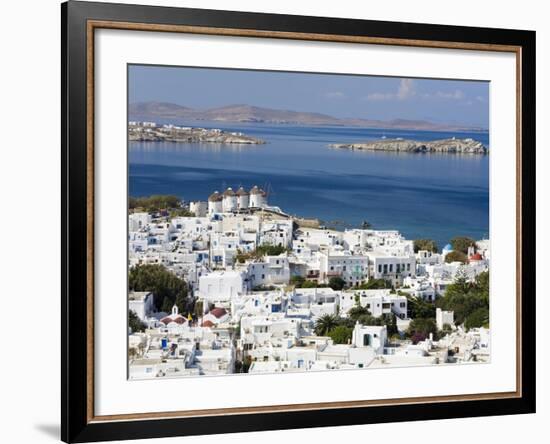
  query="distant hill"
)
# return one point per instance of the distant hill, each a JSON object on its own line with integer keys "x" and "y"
{"x": 247, "y": 113}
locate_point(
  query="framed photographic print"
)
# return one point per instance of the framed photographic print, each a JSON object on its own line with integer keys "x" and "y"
{"x": 275, "y": 221}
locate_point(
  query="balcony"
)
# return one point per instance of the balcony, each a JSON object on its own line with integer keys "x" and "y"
{"x": 334, "y": 273}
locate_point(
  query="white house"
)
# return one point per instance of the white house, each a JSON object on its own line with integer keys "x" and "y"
{"x": 137, "y": 221}
{"x": 318, "y": 237}
{"x": 377, "y": 302}
{"x": 278, "y": 232}
{"x": 392, "y": 268}
{"x": 353, "y": 269}
{"x": 141, "y": 303}
{"x": 443, "y": 317}
{"x": 271, "y": 270}
{"x": 199, "y": 208}
{"x": 215, "y": 316}
{"x": 370, "y": 336}
{"x": 318, "y": 301}
{"x": 219, "y": 287}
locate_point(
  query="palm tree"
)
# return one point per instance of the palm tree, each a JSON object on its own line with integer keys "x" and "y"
{"x": 325, "y": 324}
{"x": 358, "y": 311}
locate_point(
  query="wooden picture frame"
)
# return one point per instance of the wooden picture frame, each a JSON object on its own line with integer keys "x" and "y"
{"x": 79, "y": 22}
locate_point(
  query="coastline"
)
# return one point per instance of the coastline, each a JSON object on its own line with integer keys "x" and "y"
{"x": 154, "y": 132}
{"x": 445, "y": 146}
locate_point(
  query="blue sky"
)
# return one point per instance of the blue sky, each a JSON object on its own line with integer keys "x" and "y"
{"x": 369, "y": 97}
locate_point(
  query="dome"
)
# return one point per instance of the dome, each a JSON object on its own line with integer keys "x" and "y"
{"x": 178, "y": 319}
{"x": 242, "y": 192}
{"x": 215, "y": 197}
{"x": 218, "y": 312}
{"x": 256, "y": 190}
{"x": 229, "y": 192}
{"x": 448, "y": 247}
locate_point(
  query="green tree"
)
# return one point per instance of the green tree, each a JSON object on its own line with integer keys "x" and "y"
{"x": 325, "y": 324}
{"x": 462, "y": 243}
{"x": 270, "y": 250}
{"x": 425, "y": 244}
{"x": 198, "y": 309}
{"x": 297, "y": 281}
{"x": 447, "y": 329}
{"x": 369, "y": 319}
{"x": 375, "y": 284}
{"x": 154, "y": 203}
{"x": 134, "y": 322}
{"x": 482, "y": 282}
{"x": 341, "y": 334}
{"x": 419, "y": 308}
{"x": 312, "y": 284}
{"x": 132, "y": 353}
{"x": 464, "y": 298}
{"x": 336, "y": 283}
{"x": 182, "y": 303}
{"x": 456, "y": 256}
{"x": 181, "y": 212}
{"x": 247, "y": 362}
{"x": 161, "y": 282}
{"x": 420, "y": 328}
{"x": 167, "y": 305}
{"x": 477, "y": 318}
{"x": 390, "y": 321}
{"x": 357, "y": 312}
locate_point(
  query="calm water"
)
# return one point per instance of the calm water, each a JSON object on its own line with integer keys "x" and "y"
{"x": 436, "y": 196}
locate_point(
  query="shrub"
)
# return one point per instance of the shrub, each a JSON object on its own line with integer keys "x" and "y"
{"x": 425, "y": 244}
{"x": 134, "y": 322}
{"x": 462, "y": 243}
{"x": 341, "y": 334}
{"x": 167, "y": 288}
{"x": 456, "y": 256}
{"x": 336, "y": 283}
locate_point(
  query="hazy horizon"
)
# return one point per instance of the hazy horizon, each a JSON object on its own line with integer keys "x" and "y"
{"x": 456, "y": 102}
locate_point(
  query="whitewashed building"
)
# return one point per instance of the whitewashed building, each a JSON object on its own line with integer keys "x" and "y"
{"x": 352, "y": 268}
{"x": 141, "y": 303}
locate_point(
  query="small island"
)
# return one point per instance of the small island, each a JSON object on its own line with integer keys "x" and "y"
{"x": 153, "y": 132}
{"x": 449, "y": 146}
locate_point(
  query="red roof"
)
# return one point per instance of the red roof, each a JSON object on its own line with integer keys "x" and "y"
{"x": 179, "y": 319}
{"x": 476, "y": 257}
{"x": 208, "y": 324}
{"x": 218, "y": 312}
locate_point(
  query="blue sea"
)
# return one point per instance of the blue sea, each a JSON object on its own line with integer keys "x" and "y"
{"x": 435, "y": 196}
